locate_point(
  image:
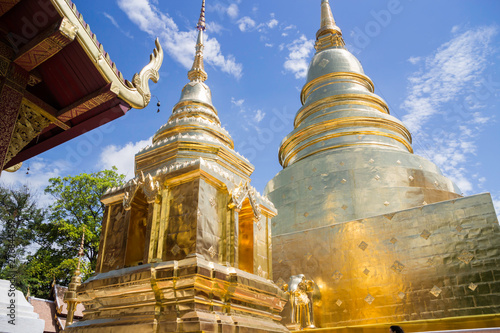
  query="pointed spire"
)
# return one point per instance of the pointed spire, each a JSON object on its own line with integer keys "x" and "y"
{"x": 80, "y": 253}
{"x": 70, "y": 296}
{"x": 197, "y": 72}
{"x": 329, "y": 34}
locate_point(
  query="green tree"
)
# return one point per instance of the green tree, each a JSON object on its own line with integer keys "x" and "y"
{"x": 19, "y": 219}
{"x": 76, "y": 209}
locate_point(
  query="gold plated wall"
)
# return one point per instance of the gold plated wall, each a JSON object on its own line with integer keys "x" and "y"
{"x": 430, "y": 262}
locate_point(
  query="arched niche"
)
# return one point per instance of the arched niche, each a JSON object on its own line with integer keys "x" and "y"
{"x": 137, "y": 227}
{"x": 246, "y": 220}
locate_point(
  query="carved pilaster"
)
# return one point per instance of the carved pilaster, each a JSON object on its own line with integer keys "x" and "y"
{"x": 164, "y": 215}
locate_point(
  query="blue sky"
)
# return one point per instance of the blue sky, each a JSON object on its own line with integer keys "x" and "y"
{"x": 436, "y": 63}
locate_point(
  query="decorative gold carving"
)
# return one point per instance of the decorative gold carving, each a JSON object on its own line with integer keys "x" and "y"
{"x": 401, "y": 295}
{"x": 363, "y": 246}
{"x": 393, "y": 240}
{"x": 337, "y": 275}
{"x": 472, "y": 286}
{"x": 15, "y": 168}
{"x": 150, "y": 72}
{"x": 436, "y": 291}
{"x": 369, "y": 299}
{"x": 339, "y": 302}
{"x": 425, "y": 234}
{"x": 89, "y": 102}
{"x": 4, "y": 66}
{"x": 213, "y": 202}
{"x": 46, "y": 45}
{"x": 299, "y": 290}
{"x": 150, "y": 187}
{"x": 397, "y": 267}
{"x": 466, "y": 257}
{"x": 212, "y": 251}
{"x": 431, "y": 261}
{"x": 366, "y": 271}
{"x": 175, "y": 250}
{"x": 238, "y": 196}
{"x": 29, "y": 124}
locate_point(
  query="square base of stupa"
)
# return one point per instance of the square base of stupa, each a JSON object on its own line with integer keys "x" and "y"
{"x": 190, "y": 295}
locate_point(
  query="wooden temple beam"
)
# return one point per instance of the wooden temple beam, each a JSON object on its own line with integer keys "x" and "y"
{"x": 44, "y": 109}
{"x": 75, "y": 131}
{"x": 47, "y": 44}
{"x": 6, "y": 5}
{"x": 89, "y": 102}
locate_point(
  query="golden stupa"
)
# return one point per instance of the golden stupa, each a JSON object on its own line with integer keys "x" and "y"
{"x": 383, "y": 234}
{"x": 185, "y": 245}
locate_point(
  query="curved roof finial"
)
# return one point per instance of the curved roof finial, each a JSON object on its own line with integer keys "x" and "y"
{"x": 197, "y": 72}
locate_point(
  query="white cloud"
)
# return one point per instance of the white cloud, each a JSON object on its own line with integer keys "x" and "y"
{"x": 180, "y": 45}
{"x": 496, "y": 203}
{"x": 238, "y": 102}
{"x": 214, "y": 27}
{"x": 414, "y": 60}
{"x": 113, "y": 22}
{"x": 122, "y": 157}
{"x": 439, "y": 92}
{"x": 259, "y": 115}
{"x": 298, "y": 57}
{"x": 37, "y": 179}
{"x": 246, "y": 23}
{"x": 444, "y": 75}
{"x": 289, "y": 27}
{"x": 268, "y": 45}
{"x": 272, "y": 23}
{"x": 232, "y": 11}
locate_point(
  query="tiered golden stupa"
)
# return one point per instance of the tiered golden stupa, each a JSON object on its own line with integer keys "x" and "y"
{"x": 384, "y": 235}
{"x": 186, "y": 245}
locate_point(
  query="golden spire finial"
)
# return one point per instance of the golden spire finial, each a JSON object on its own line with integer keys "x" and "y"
{"x": 70, "y": 296}
{"x": 197, "y": 72}
{"x": 329, "y": 34}
{"x": 80, "y": 253}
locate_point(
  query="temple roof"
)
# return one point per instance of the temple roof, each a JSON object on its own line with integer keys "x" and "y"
{"x": 72, "y": 85}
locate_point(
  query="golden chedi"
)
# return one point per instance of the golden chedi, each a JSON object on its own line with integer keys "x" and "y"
{"x": 186, "y": 245}
{"x": 383, "y": 234}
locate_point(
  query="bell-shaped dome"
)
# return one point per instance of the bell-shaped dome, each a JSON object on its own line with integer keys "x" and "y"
{"x": 196, "y": 91}
{"x": 333, "y": 60}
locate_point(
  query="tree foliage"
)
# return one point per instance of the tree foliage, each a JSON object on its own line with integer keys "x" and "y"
{"x": 19, "y": 219}
{"x": 56, "y": 234}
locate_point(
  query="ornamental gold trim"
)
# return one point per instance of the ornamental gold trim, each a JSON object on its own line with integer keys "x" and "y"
{"x": 344, "y": 99}
{"x": 359, "y": 78}
{"x": 293, "y": 151}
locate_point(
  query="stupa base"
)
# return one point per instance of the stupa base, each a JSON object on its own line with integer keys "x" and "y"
{"x": 190, "y": 295}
